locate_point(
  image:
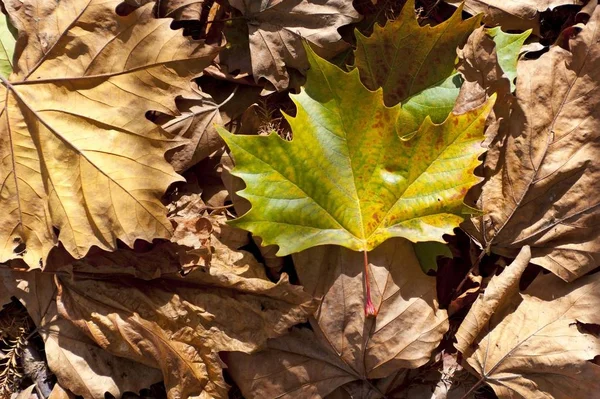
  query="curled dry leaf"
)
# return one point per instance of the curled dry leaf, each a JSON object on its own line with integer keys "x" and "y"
{"x": 180, "y": 324}
{"x": 535, "y": 344}
{"x": 79, "y": 365}
{"x": 78, "y": 153}
{"x": 513, "y": 15}
{"x": 542, "y": 191}
{"x": 346, "y": 346}
{"x": 277, "y": 29}
{"x": 500, "y": 289}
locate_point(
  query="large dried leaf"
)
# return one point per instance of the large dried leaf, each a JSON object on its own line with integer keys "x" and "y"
{"x": 78, "y": 153}
{"x": 347, "y": 345}
{"x": 513, "y": 14}
{"x": 277, "y": 28}
{"x": 180, "y": 324}
{"x": 406, "y": 59}
{"x": 79, "y": 364}
{"x": 536, "y": 345}
{"x": 355, "y": 179}
{"x": 543, "y": 191}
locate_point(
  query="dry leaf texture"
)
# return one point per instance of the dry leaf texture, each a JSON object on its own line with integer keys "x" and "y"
{"x": 543, "y": 192}
{"x": 77, "y": 152}
{"x": 278, "y": 27}
{"x": 513, "y": 14}
{"x": 346, "y": 346}
{"x": 534, "y": 345}
{"x": 180, "y": 324}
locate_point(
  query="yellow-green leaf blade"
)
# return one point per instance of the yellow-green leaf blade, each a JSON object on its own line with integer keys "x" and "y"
{"x": 404, "y": 58}
{"x": 7, "y": 46}
{"x": 347, "y": 178}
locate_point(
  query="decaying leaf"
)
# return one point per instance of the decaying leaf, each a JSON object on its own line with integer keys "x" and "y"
{"x": 179, "y": 324}
{"x": 513, "y": 14}
{"x": 346, "y": 345}
{"x": 542, "y": 193}
{"x": 78, "y": 363}
{"x": 535, "y": 345}
{"x": 353, "y": 179}
{"x": 197, "y": 125}
{"x": 277, "y": 29}
{"x": 78, "y": 153}
{"x": 406, "y": 59}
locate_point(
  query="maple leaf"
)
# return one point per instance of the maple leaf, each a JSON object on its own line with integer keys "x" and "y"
{"x": 77, "y": 152}
{"x": 406, "y": 59}
{"x": 541, "y": 185}
{"x": 535, "y": 344}
{"x": 347, "y": 178}
{"x": 276, "y": 30}
{"x": 346, "y": 345}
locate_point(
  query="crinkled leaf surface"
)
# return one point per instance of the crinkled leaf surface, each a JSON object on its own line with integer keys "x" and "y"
{"x": 543, "y": 191}
{"x": 277, "y": 27}
{"x": 535, "y": 345}
{"x": 77, "y": 152}
{"x": 347, "y": 346}
{"x": 513, "y": 14}
{"x": 405, "y": 59}
{"x": 347, "y": 178}
{"x": 78, "y": 363}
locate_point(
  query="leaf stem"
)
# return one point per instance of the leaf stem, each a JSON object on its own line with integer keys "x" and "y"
{"x": 370, "y": 310}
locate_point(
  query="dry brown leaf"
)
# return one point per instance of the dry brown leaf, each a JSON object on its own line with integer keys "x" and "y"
{"x": 535, "y": 346}
{"x": 543, "y": 192}
{"x": 409, "y": 324}
{"x": 78, "y": 153}
{"x": 181, "y": 9}
{"x": 197, "y": 125}
{"x": 59, "y": 392}
{"x": 276, "y": 30}
{"x": 512, "y": 14}
{"x": 407, "y": 329}
{"x": 295, "y": 366}
{"x": 180, "y": 324}
{"x": 79, "y": 364}
{"x": 500, "y": 289}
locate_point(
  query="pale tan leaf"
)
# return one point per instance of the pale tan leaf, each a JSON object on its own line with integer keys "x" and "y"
{"x": 535, "y": 345}
{"x": 542, "y": 193}
{"x": 181, "y": 10}
{"x": 409, "y": 324}
{"x": 79, "y": 365}
{"x": 59, "y": 392}
{"x": 180, "y": 324}
{"x": 512, "y": 14}
{"x": 78, "y": 153}
{"x": 499, "y": 290}
{"x": 276, "y": 30}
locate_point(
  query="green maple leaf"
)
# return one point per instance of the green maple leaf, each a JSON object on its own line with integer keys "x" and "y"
{"x": 414, "y": 64}
{"x": 348, "y": 177}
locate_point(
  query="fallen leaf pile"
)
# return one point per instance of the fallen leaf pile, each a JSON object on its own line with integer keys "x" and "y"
{"x": 299, "y": 199}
